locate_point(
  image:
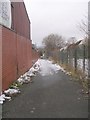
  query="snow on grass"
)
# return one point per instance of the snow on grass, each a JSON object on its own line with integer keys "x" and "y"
{"x": 44, "y": 67}
{"x": 80, "y": 65}
{"x": 7, "y": 94}
{"x": 23, "y": 79}
{"x": 3, "y": 98}
{"x": 11, "y": 91}
{"x": 27, "y": 76}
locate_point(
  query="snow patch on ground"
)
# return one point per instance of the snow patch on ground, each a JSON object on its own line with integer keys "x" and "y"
{"x": 12, "y": 91}
{"x": 3, "y": 98}
{"x": 48, "y": 68}
{"x": 23, "y": 79}
{"x": 80, "y": 65}
{"x": 44, "y": 67}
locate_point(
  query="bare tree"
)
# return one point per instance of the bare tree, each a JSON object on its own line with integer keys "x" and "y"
{"x": 83, "y": 25}
{"x": 52, "y": 42}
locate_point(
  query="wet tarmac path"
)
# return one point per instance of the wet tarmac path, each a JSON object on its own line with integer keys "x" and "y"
{"x": 49, "y": 96}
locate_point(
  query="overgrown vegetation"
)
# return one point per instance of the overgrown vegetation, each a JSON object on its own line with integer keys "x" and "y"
{"x": 53, "y": 43}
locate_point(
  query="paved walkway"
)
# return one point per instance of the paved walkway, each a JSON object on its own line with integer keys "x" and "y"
{"x": 51, "y": 96}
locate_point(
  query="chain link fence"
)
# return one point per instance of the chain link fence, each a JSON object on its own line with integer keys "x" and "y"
{"x": 73, "y": 57}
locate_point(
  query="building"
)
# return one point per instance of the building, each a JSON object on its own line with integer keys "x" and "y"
{"x": 16, "y": 42}
{"x": 20, "y": 19}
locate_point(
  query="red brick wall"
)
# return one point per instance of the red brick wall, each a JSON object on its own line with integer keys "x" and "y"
{"x": 0, "y": 58}
{"x": 9, "y": 62}
{"x": 20, "y": 19}
{"x": 17, "y": 53}
{"x": 35, "y": 56}
{"x": 21, "y": 55}
{"x": 29, "y": 53}
{"x": 16, "y": 56}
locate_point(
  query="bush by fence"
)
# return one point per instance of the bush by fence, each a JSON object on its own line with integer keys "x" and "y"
{"x": 74, "y": 56}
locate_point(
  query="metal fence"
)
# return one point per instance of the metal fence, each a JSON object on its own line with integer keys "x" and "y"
{"x": 74, "y": 56}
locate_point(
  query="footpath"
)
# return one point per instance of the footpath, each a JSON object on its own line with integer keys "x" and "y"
{"x": 51, "y": 95}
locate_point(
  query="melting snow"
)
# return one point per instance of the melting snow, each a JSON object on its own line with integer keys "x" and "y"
{"x": 26, "y": 78}
{"x": 12, "y": 91}
{"x": 44, "y": 67}
{"x": 3, "y": 98}
{"x": 80, "y": 65}
{"x": 48, "y": 68}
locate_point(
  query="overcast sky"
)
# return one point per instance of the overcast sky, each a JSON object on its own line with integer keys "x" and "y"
{"x": 55, "y": 16}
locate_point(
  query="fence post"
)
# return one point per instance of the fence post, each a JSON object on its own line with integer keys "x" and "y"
{"x": 67, "y": 57}
{"x": 75, "y": 58}
{"x": 83, "y": 58}
{"x": 62, "y": 56}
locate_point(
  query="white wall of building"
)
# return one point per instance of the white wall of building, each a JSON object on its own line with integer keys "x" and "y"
{"x": 5, "y": 13}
